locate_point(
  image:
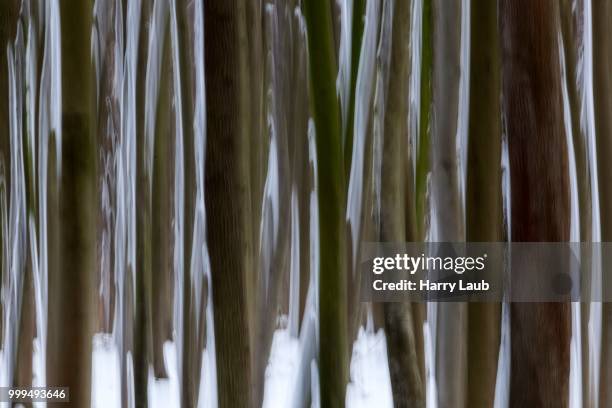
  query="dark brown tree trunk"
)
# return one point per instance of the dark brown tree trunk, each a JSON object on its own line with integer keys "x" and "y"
{"x": 540, "y": 192}
{"x": 227, "y": 194}
{"x": 70, "y": 321}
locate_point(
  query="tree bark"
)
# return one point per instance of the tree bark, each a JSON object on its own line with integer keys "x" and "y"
{"x": 540, "y": 192}
{"x": 483, "y": 194}
{"x": 70, "y": 308}
{"x": 602, "y": 88}
{"x": 333, "y": 326}
{"x": 572, "y": 17}
{"x": 162, "y": 202}
{"x": 407, "y": 382}
{"x": 451, "y": 347}
{"x": 227, "y": 192}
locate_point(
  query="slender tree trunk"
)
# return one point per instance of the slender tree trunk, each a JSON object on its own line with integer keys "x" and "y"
{"x": 424, "y": 128}
{"x": 483, "y": 195}
{"x": 9, "y": 13}
{"x": 70, "y": 322}
{"x": 602, "y": 94}
{"x": 451, "y": 347}
{"x": 26, "y": 327}
{"x": 163, "y": 208}
{"x": 227, "y": 191}
{"x": 143, "y": 321}
{"x": 333, "y": 346}
{"x": 406, "y": 380}
{"x": 572, "y": 30}
{"x": 540, "y": 193}
{"x": 356, "y": 36}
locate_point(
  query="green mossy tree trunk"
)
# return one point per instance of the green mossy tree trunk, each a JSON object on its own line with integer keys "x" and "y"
{"x": 333, "y": 351}
{"x": 483, "y": 193}
{"x": 424, "y": 127}
{"x": 540, "y": 205}
{"x": 70, "y": 308}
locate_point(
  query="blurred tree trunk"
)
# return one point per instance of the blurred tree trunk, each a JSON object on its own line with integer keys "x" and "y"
{"x": 424, "y": 120}
{"x": 540, "y": 193}
{"x": 192, "y": 341}
{"x": 333, "y": 347}
{"x": 483, "y": 195}
{"x": 357, "y": 23}
{"x": 145, "y": 319}
{"x": 163, "y": 208}
{"x": 228, "y": 207}
{"x": 602, "y": 94}
{"x": 273, "y": 231}
{"x": 422, "y": 165}
{"x": 26, "y": 330}
{"x": 407, "y": 382}
{"x": 451, "y": 347}
{"x": 70, "y": 308}
{"x": 572, "y": 30}
{"x": 9, "y": 13}
{"x": 107, "y": 130}
{"x": 258, "y": 141}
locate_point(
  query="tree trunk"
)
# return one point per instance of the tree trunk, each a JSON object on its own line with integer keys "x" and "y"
{"x": 602, "y": 94}
{"x": 451, "y": 347}
{"x": 407, "y": 382}
{"x": 9, "y": 13}
{"x": 162, "y": 202}
{"x": 227, "y": 204}
{"x": 483, "y": 195}
{"x": 540, "y": 192}
{"x": 573, "y": 34}
{"x": 333, "y": 347}
{"x": 70, "y": 322}
{"x": 143, "y": 347}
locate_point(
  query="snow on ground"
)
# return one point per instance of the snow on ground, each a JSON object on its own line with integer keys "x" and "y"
{"x": 162, "y": 393}
{"x": 370, "y": 384}
{"x": 106, "y": 391}
{"x": 281, "y": 370}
